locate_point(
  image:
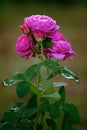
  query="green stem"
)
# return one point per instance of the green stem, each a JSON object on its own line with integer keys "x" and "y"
{"x": 42, "y": 51}
{"x": 43, "y": 120}
{"x": 38, "y": 96}
{"x": 47, "y": 71}
{"x": 38, "y": 102}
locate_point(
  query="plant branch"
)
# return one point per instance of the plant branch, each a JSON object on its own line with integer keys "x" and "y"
{"x": 38, "y": 102}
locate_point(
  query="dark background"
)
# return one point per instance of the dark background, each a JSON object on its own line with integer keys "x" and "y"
{"x": 71, "y": 15}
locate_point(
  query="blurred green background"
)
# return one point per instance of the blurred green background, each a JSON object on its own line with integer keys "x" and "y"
{"x": 71, "y": 15}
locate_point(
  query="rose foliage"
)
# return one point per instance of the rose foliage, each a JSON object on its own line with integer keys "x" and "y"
{"x": 47, "y": 103}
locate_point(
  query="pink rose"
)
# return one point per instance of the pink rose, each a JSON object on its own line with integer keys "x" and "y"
{"x": 58, "y": 36}
{"x": 42, "y": 23}
{"x": 24, "y": 46}
{"x": 60, "y": 50}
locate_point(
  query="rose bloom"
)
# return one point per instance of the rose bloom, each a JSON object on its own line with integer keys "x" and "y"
{"x": 24, "y": 46}
{"x": 58, "y": 36}
{"x": 60, "y": 50}
{"x": 46, "y": 25}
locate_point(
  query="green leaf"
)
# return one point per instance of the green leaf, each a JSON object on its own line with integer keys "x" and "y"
{"x": 45, "y": 106}
{"x": 17, "y": 106}
{"x": 55, "y": 110}
{"x": 32, "y": 102}
{"x": 51, "y": 65}
{"x": 59, "y": 84}
{"x": 57, "y": 69}
{"x": 24, "y": 126}
{"x": 47, "y": 86}
{"x": 39, "y": 126}
{"x": 30, "y": 112}
{"x": 53, "y": 97}
{"x": 73, "y": 112}
{"x": 54, "y": 66}
{"x": 53, "y": 74}
{"x": 32, "y": 71}
{"x": 67, "y": 123}
{"x": 11, "y": 116}
{"x": 33, "y": 88}
{"x": 14, "y": 78}
{"x": 51, "y": 123}
{"x": 46, "y": 42}
{"x": 22, "y": 89}
{"x": 62, "y": 93}
{"x": 8, "y": 126}
{"x": 69, "y": 74}
{"x": 49, "y": 128}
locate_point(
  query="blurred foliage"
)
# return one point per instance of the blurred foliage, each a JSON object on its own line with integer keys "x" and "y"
{"x": 59, "y": 2}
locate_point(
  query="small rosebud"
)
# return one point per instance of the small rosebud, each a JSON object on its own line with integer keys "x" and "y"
{"x": 39, "y": 35}
{"x": 25, "y": 29}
